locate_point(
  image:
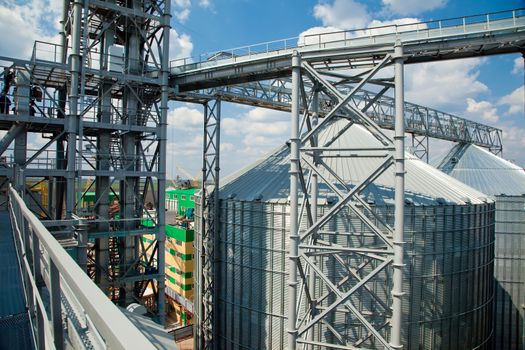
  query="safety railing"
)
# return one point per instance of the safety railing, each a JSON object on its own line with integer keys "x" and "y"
{"x": 59, "y": 292}
{"x": 365, "y": 36}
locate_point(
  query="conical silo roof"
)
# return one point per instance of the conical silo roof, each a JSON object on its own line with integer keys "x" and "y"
{"x": 482, "y": 170}
{"x": 269, "y": 179}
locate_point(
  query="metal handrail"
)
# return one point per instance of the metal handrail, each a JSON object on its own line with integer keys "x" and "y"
{"x": 379, "y": 31}
{"x": 115, "y": 329}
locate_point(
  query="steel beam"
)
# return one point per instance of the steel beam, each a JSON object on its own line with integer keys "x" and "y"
{"x": 206, "y": 337}
{"x": 399, "y": 225}
{"x": 293, "y": 256}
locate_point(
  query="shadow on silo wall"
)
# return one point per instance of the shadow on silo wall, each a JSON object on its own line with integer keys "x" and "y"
{"x": 508, "y": 320}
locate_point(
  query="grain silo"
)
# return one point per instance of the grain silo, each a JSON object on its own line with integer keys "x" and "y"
{"x": 449, "y": 234}
{"x": 505, "y": 183}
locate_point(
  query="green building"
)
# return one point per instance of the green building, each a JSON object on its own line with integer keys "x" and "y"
{"x": 180, "y": 200}
{"x": 88, "y": 199}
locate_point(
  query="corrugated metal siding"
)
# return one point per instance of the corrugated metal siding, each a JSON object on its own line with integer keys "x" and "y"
{"x": 448, "y": 275}
{"x": 495, "y": 176}
{"x": 509, "y": 270}
{"x": 482, "y": 170}
{"x": 269, "y": 178}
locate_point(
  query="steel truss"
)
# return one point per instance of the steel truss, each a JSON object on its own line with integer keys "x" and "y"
{"x": 205, "y": 304}
{"x": 420, "y": 121}
{"x": 318, "y": 296}
{"x": 104, "y": 110}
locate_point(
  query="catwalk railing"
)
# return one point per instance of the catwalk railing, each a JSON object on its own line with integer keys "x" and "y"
{"x": 59, "y": 292}
{"x": 412, "y": 32}
{"x": 419, "y": 120}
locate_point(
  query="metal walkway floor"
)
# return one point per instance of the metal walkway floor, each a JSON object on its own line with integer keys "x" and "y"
{"x": 14, "y": 320}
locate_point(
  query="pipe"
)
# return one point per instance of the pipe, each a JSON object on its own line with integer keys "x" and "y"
{"x": 161, "y": 238}
{"x": 313, "y": 202}
{"x": 399, "y": 223}
{"x": 11, "y": 134}
{"x": 72, "y": 118}
{"x": 294, "y": 204}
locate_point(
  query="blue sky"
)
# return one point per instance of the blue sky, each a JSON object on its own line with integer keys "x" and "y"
{"x": 489, "y": 90}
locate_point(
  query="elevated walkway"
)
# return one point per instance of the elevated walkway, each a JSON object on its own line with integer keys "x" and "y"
{"x": 15, "y": 331}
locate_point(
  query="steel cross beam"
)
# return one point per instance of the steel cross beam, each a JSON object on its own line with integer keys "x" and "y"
{"x": 470, "y": 36}
{"x": 314, "y": 255}
{"x": 207, "y": 245}
{"x": 109, "y": 111}
{"x": 420, "y": 121}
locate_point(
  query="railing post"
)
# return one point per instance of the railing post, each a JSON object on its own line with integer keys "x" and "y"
{"x": 37, "y": 269}
{"x": 40, "y": 325}
{"x": 56, "y": 307}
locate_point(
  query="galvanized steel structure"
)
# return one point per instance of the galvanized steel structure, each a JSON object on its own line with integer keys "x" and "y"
{"x": 505, "y": 183}
{"x": 320, "y": 67}
{"x": 449, "y": 238}
{"x": 103, "y": 106}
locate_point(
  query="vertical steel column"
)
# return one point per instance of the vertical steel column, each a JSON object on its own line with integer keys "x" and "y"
{"x": 209, "y": 224}
{"x": 313, "y": 203}
{"x": 72, "y": 122}
{"x": 129, "y": 186}
{"x": 162, "y": 136}
{"x": 399, "y": 223}
{"x": 102, "y": 183}
{"x": 56, "y": 306}
{"x": 295, "y": 143}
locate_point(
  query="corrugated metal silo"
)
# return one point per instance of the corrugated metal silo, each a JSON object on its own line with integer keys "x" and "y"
{"x": 449, "y": 253}
{"x": 504, "y": 182}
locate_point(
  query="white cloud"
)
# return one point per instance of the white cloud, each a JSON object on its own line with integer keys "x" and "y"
{"x": 405, "y": 24}
{"x": 183, "y": 3}
{"x": 227, "y": 147}
{"x": 482, "y": 110}
{"x": 514, "y": 101}
{"x": 185, "y": 119}
{"x": 183, "y": 15}
{"x": 311, "y": 36}
{"x": 255, "y": 133}
{"x": 22, "y": 24}
{"x": 181, "y": 46}
{"x": 204, "y": 3}
{"x": 182, "y": 8}
{"x": 344, "y": 14}
{"x": 316, "y": 35}
{"x": 518, "y": 66}
{"x": 514, "y": 143}
{"x": 444, "y": 85}
{"x": 411, "y": 7}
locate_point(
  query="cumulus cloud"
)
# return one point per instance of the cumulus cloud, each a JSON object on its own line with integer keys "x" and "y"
{"x": 258, "y": 130}
{"x": 404, "y": 24}
{"x": 344, "y": 14}
{"x": 181, "y": 45}
{"x": 183, "y": 15}
{"x": 411, "y": 7}
{"x": 514, "y": 101}
{"x": 444, "y": 85}
{"x": 518, "y": 66}
{"x": 23, "y": 23}
{"x": 482, "y": 110}
{"x": 182, "y": 8}
{"x": 514, "y": 143}
{"x": 185, "y": 118}
{"x": 204, "y": 3}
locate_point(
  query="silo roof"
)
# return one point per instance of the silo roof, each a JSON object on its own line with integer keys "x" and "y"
{"x": 483, "y": 170}
{"x": 268, "y": 179}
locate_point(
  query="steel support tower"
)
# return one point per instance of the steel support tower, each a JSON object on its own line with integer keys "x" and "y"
{"x": 100, "y": 98}
{"x": 332, "y": 75}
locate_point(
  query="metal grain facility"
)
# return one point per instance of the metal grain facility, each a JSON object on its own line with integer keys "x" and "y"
{"x": 504, "y": 182}
{"x": 449, "y": 238}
